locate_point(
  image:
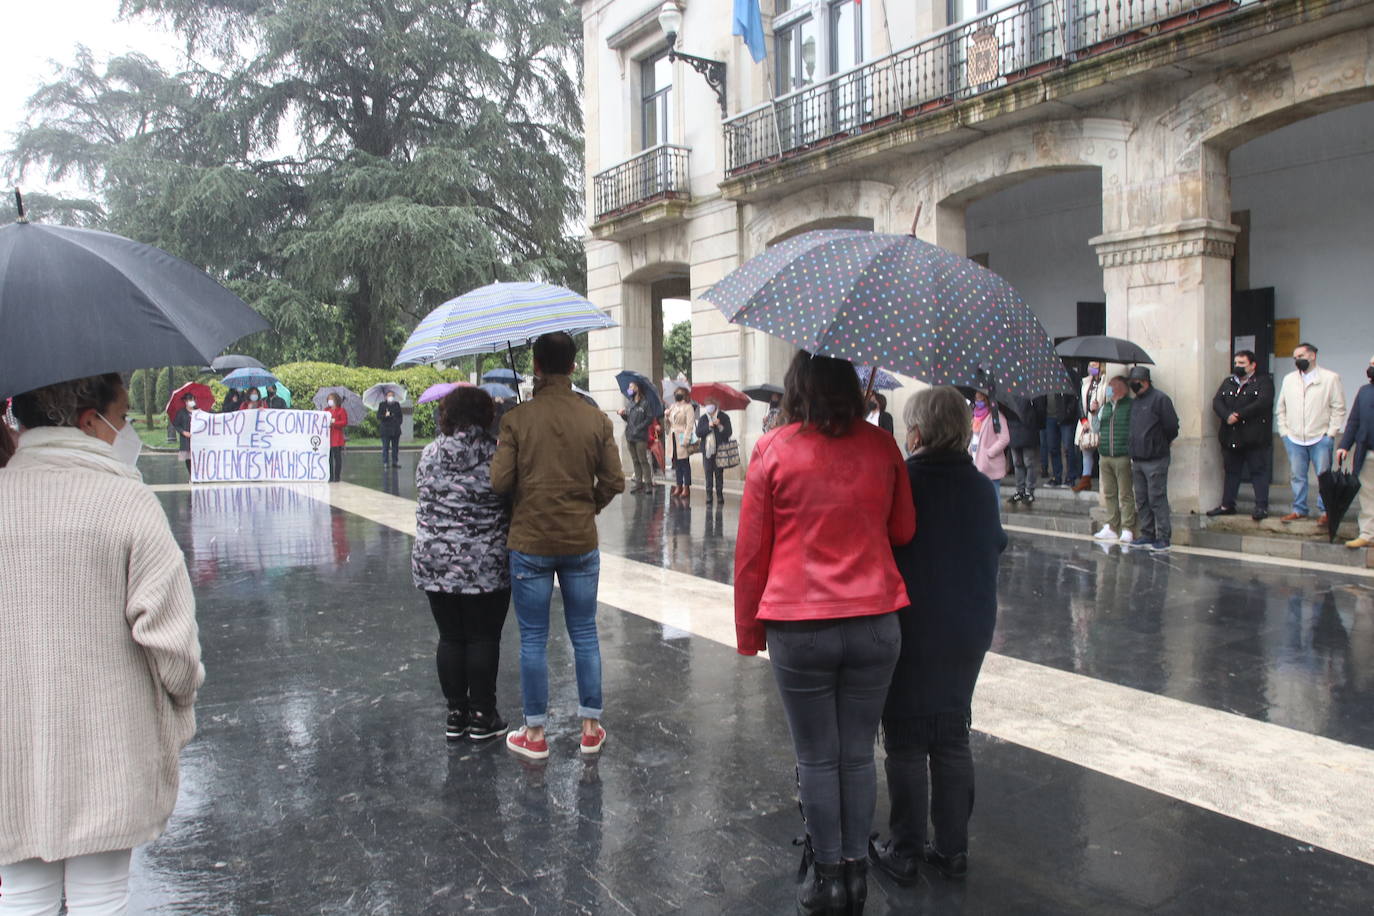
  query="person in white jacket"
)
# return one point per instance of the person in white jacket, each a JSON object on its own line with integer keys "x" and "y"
{"x": 100, "y": 658}
{"x": 1311, "y": 414}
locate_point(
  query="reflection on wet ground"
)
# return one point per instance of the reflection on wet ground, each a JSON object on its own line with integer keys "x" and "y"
{"x": 320, "y": 781}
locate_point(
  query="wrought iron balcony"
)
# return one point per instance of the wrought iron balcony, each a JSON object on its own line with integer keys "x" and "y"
{"x": 1002, "y": 47}
{"x": 657, "y": 174}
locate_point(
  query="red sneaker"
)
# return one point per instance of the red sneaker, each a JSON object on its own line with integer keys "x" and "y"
{"x": 591, "y": 744}
{"x": 520, "y": 743}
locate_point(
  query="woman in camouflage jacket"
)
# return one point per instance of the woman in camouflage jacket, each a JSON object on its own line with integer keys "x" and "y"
{"x": 460, "y": 560}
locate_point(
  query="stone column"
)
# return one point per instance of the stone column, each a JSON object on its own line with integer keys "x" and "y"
{"x": 1169, "y": 289}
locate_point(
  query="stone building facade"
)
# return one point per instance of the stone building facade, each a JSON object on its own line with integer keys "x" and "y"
{"x": 1185, "y": 173}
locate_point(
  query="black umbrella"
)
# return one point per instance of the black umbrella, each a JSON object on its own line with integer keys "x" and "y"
{"x": 763, "y": 393}
{"x": 897, "y": 302}
{"x": 1103, "y": 350}
{"x": 77, "y": 302}
{"x": 232, "y": 361}
{"x": 624, "y": 377}
{"x": 1338, "y": 488}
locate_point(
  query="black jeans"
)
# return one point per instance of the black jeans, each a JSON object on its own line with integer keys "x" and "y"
{"x": 335, "y": 463}
{"x": 1241, "y": 464}
{"x": 930, "y": 777}
{"x": 469, "y": 651}
{"x": 833, "y": 676}
{"x": 682, "y": 467}
{"x": 715, "y": 477}
{"x": 391, "y": 450}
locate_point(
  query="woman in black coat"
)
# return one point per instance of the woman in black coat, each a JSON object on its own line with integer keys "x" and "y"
{"x": 950, "y": 569}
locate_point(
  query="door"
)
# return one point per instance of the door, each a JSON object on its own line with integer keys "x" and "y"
{"x": 1252, "y": 315}
{"x": 1092, "y": 319}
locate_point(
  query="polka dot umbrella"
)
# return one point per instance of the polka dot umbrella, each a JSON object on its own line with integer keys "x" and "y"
{"x": 897, "y": 302}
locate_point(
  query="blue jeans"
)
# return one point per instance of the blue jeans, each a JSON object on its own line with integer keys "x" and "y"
{"x": 1063, "y": 457}
{"x": 1299, "y": 457}
{"x": 532, "y": 588}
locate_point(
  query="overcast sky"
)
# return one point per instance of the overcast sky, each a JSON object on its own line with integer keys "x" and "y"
{"x": 38, "y": 32}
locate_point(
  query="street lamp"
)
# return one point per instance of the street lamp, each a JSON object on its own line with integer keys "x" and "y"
{"x": 670, "y": 21}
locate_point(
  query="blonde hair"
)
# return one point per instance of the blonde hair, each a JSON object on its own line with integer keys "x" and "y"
{"x": 941, "y": 417}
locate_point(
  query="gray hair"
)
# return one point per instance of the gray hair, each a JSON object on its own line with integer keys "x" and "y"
{"x": 942, "y": 418}
{"x": 62, "y": 404}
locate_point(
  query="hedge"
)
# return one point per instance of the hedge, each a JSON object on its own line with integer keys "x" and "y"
{"x": 304, "y": 379}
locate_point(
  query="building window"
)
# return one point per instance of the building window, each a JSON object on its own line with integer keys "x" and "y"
{"x": 963, "y": 10}
{"x": 846, "y": 35}
{"x": 655, "y": 101}
{"x": 798, "y": 47}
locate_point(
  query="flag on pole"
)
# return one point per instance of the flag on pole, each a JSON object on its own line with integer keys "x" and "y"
{"x": 748, "y": 24}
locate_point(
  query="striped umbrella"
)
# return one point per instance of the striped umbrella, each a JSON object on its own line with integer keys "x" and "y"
{"x": 499, "y": 316}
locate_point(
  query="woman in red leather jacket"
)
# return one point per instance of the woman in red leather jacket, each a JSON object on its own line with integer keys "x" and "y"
{"x": 338, "y": 419}
{"x": 826, "y": 499}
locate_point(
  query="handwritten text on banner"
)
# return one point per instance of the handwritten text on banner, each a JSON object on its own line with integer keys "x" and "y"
{"x": 278, "y": 445}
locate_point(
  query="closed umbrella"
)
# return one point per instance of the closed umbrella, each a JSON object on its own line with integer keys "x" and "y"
{"x": 349, "y": 400}
{"x": 727, "y": 397}
{"x": 249, "y": 378}
{"x": 763, "y": 393}
{"x": 1103, "y": 349}
{"x": 79, "y": 302}
{"x": 374, "y": 396}
{"x": 205, "y": 398}
{"x": 624, "y": 377}
{"x": 898, "y": 302}
{"x": 1339, "y": 488}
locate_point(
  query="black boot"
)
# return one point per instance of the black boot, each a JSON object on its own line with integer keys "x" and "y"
{"x": 856, "y": 886}
{"x": 822, "y": 891}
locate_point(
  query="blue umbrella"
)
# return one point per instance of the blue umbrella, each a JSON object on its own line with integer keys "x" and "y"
{"x": 497, "y": 317}
{"x": 626, "y": 376}
{"x": 505, "y": 376}
{"x": 249, "y": 377}
{"x": 882, "y": 380}
{"x": 894, "y": 300}
{"x": 78, "y": 302}
{"x": 497, "y": 390}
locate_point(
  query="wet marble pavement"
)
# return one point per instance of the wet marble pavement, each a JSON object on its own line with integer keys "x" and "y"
{"x": 319, "y": 781}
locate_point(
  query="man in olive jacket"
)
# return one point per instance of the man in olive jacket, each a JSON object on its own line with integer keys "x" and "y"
{"x": 556, "y": 457}
{"x": 1245, "y": 405}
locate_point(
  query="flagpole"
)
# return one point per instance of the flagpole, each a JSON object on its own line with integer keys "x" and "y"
{"x": 773, "y": 103}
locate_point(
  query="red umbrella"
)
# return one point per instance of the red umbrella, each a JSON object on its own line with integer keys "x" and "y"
{"x": 205, "y": 398}
{"x": 728, "y": 398}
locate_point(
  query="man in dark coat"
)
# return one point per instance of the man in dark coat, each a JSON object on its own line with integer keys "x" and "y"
{"x": 1245, "y": 405}
{"x": 1154, "y": 427}
{"x": 274, "y": 400}
{"x": 389, "y": 426}
{"x": 1024, "y": 428}
{"x": 1359, "y": 435}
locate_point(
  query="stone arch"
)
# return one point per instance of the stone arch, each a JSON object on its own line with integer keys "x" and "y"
{"x": 840, "y": 204}
{"x": 948, "y": 184}
{"x": 642, "y": 293}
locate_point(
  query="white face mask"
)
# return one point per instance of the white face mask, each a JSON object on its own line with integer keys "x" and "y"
{"x": 710, "y": 408}
{"x": 391, "y": 399}
{"x": 127, "y": 444}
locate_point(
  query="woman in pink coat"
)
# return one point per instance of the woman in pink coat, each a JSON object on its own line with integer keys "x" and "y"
{"x": 990, "y": 438}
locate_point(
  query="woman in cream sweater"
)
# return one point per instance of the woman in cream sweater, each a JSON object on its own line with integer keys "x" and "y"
{"x": 100, "y": 660}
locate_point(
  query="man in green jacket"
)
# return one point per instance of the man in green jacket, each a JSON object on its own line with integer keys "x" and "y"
{"x": 1114, "y": 454}
{"x": 556, "y": 457}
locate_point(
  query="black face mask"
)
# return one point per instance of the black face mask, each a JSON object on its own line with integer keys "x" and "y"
{"x": 1239, "y": 371}
{"x": 1136, "y": 386}
{"x": 1302, "y": 364}
{"x": 1369, "y": 373}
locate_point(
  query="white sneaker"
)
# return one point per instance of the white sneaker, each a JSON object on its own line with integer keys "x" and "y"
{"x": 1106, "y": 534}
{"x": 1127, "y": 537}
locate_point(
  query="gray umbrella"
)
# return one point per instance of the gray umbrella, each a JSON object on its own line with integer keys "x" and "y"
{"x": 232, "y": 361}
{"x": 349, "y": 400}
{"x": 1103, "y": 349}
{"x": 77, "y": 302}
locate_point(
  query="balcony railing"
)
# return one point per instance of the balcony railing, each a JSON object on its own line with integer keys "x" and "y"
{"x": 659, "y": 173}
{"x": 999, "y": 48}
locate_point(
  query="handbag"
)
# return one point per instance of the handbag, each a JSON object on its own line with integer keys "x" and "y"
{"x": 727, "y": 455}
{"x": 1086, "y": 438}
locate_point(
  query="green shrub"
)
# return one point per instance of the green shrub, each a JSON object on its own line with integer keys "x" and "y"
{"x": 304, "y": 379}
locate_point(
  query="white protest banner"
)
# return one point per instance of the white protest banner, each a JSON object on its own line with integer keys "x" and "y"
{"x": 276, "y": 445}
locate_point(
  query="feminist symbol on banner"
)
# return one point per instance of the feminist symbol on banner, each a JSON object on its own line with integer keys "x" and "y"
{"x": 314, "y": 443}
